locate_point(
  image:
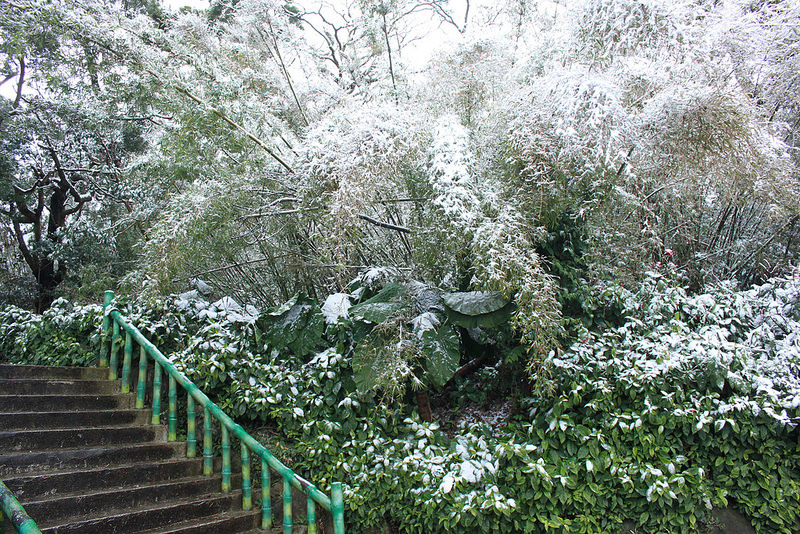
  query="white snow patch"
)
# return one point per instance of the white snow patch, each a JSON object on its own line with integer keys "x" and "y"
{"x": 336, "y": 307}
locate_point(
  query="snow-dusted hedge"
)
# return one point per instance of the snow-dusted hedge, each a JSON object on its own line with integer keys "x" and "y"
{"x": 691, "y": 402}
{"x": 63, "y": 335}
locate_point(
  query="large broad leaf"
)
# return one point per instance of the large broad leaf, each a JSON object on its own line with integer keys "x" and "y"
{"x": 443, "y": 356}
{"x": 277, "y": 311}
{"x": 381, "y": 306}
{"x": 310, "y": 334}
{"x": 297, "y": 325}
{"x": 475, "y": 302}
{"x": 472, "y": 309}
{"x": 366, "y": 369}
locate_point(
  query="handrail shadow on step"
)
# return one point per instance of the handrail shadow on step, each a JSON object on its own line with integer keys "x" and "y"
{"x": 115, "y": 323}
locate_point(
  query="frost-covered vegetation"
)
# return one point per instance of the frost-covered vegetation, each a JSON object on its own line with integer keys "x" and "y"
{"x": 681, "y": 404}
{"x": 533, "y": 263}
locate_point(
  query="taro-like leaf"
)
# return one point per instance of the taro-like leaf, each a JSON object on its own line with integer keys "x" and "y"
{"x": 381, "y": 306}
{"x": 475, "y": 302}
{"x": 473, "y": 309}
{"x": 297, "y": 325}
{"x": 441, "y": 348}
{"x": 365, "y": 370}
{"x": 310, "y": 334}
{"x": 276, "y": 311}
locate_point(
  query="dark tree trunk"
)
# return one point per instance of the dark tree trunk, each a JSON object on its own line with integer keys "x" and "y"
{"x": 48, "y": 280}
{"x": 46, "y": 270}
{"x": 424, "y": 406}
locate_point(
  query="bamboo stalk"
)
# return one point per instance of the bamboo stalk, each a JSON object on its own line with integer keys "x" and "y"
{"x": 113, "y": 363}
{"x": 208, "y": 455}
{"x": 156, "y": 419}
{"x": 172, "y": 417}
{"x": 142, "y": 379}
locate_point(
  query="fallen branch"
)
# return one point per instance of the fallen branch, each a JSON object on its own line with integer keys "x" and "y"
{"x": 470, "y": 367}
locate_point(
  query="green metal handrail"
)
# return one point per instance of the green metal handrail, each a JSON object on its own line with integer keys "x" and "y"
{"x": 116, "y": 323}
{"x": 12, "y": 509}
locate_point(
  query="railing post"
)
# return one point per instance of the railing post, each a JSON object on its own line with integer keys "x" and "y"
{"x": 287, "y": 506}
{"x": 172, "y": 417}
{"x": 126, "y": 364}
{"x": 311, "y": 516}
{"x": 337, "y": 507}
{"x": 191, "y": 437}
{"x": 208, "y": 455}
{"x": 266, "y": 505}
{"x": 113, "y": 363}
{"x": 247, "y": 499}
{"x": 156, "y": 419}
{"x": 142, "y": 379}
{"x": 105, "y": 346}
{"x": 226, "y": 459}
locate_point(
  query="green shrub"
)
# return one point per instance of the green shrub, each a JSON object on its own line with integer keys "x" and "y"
{"x": 63, "y": 335}
{"x": 684, "y": 403}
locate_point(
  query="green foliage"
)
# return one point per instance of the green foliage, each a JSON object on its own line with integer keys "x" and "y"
{"x": 297, "y": 325}
{"x": 63, "y": 335}
{"x": 687, "y": 402}
{"x": 378, "y": 308}
{"x": 442, "y": 355}
{"x": 474, "y": 309}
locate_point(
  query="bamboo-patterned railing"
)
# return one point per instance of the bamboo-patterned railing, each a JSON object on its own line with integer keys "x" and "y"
{"x": 115, "y": 325}
{"x": 11, "y": 508}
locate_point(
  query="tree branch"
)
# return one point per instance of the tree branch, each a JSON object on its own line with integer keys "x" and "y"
{"x": 283, "y": 68}
{"x": 26, "y": 253}
{"x": 21, "y": 82}
{"x": 22, "y": 206}
{"x": 235, "y": 125}
{"x": 376, "y": 222}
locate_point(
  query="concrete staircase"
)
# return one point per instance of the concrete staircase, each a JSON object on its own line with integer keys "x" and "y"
{"x": 81, "y": 460}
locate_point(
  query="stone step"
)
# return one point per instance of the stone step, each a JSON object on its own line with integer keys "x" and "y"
{"x": 32, "y": 487}
{"x": 69, "y": 438}
{"x": 96, "y": 503}
{"x": 81, "y": 459}
{"x": 55, "y": 373}
{"x": 88, "y": 458}
{"x": 228, "y": 523}
{"x": 52, "y": 386}
{"x": 52, "y": 403}
{"x": 154, "y": 518}
{"x": 61, "y": 419}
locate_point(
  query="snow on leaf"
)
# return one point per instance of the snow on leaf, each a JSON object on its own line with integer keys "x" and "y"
{"x": 336, "y": 307}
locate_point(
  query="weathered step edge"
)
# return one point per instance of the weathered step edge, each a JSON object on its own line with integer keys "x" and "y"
{"x": 147, "y": 518}
{"x": 50, "y": 403}
{"x": 80, "y": 506}
{"x": 8, "y": 370}
{"x": 81, "y": 419}
{"x": 43, "y": 461}
{"x": 35, "y": 486}
{"x": 57, "y": 386}
{"x": 69, "y": 438}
